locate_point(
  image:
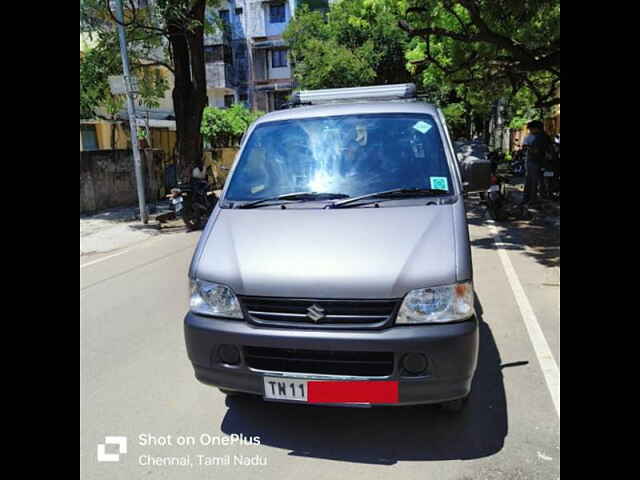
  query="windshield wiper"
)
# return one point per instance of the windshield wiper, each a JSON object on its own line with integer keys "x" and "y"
{"x": 390, "y": 194}
{"x": 304, "y": 196}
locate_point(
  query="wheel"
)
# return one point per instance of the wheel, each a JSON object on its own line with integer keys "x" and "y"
{"x": 192, "y": 219}
{"x": 454, "y": 406}
{"x": 499, "y": 214}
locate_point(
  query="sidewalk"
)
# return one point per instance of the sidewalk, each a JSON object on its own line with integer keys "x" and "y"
{"x": 117, "y": 228}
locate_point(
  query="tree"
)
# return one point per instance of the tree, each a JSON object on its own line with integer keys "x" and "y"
{"x": 498, "y": 47}
{"x": 225, "y": 127}
{"x": 357, "y": 42}
{"x": 170, "y": 34}
{"x": 96, "y": 100}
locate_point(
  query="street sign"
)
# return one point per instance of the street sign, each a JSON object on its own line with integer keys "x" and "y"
{"x": 118, "y": 85}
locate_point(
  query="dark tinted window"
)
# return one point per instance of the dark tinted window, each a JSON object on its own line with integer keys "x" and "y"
{"x": 218, "y": 53}
{"x": 278, "y": 58}
{"x": 277, "y": 13}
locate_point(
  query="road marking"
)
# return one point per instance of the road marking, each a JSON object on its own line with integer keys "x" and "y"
{"x": 142, "y": 243}
{"x": 103, "y": 258}
{"x": 548, "y": 364}
{"x": 152, "y": 261}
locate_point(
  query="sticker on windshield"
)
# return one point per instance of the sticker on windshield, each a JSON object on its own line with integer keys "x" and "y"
{"x": 439, "y": 183}
{"x": 422, "y": 127}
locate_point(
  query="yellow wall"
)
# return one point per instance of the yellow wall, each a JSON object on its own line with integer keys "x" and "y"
{"x": 161, "y": 138}
{"x": 103, "y": 132}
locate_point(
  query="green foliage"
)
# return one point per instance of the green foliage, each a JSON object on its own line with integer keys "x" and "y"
{"x": 455, "y": 114}
{"x": 146, "y": 45}
{"x": 474, "y": 52}
{"x": 355, "y": 43}
{"x": 322, "y": 5}
{"x": 225, "y": 127}
{"x": 95, "y": 67}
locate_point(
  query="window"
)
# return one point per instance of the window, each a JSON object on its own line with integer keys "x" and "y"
{"x": 278, "y": 58}
{"x": 238, "y": 12}
{"x": 224, "y": 16}
{"x": 212, "y": 53}
{"x": 280, "y": 98}
{"x": 277, "y": 13}
{"x": 351, "y": 154}
{"x": 218, "y": 53}
{"x": 89, "y": 137}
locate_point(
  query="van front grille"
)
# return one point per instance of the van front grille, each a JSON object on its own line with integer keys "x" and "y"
{"x": 321, "y": 312}
{"x": 324, "y": 362}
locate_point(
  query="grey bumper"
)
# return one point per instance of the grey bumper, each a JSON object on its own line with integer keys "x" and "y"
{"x": 451, "y": 350}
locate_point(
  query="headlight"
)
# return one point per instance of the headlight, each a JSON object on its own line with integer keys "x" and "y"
{"x": 215, "y": 299}
{"x": 437, "y": 304}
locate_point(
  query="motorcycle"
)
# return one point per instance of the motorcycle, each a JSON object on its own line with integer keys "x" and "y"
{"x": 517, "y": 164}
{"x": 550, "y": 185}
{"x": 550, "y": 182}
{"x": 495, "y": 198}
{"x": 193, "y": 202}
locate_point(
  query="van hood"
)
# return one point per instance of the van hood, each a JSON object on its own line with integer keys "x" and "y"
{"x": 335, "y": 253}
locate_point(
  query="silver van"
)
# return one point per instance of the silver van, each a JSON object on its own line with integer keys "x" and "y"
{"x": 336, "y": 267}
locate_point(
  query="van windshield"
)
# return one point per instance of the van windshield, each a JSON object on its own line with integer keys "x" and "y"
{"x": 351, "y": 155}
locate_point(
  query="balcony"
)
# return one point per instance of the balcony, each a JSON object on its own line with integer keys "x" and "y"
{"x": 220, "y": 75}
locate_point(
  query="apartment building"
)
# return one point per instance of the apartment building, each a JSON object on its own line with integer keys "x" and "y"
{"x": 248, "y": 61}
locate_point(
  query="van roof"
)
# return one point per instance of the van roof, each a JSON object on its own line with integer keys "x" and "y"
{"x": 349, "y": 108}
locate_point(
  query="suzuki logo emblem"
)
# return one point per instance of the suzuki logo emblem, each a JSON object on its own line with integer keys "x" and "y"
{"x": 315, "y": 312}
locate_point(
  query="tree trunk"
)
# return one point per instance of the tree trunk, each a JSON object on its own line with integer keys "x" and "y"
{"x": 190, "y": 89}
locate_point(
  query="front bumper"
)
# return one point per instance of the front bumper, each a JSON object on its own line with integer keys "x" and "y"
{"x": 451, "y": 351}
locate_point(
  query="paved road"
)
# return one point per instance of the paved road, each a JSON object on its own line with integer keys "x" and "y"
{"x": 136, "y": 381}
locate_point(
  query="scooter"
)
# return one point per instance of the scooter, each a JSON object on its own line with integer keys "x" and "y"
{"x": 193, "y": 202}
{"x": 495, "y": 198}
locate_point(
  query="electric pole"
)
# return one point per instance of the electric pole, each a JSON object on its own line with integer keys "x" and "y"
{"x": 132, "y": 112}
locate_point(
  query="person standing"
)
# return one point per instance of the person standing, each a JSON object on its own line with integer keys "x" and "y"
{"x": 538, "y": 148}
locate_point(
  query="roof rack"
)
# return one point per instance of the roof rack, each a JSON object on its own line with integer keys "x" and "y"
{"x": 400, "y": 91}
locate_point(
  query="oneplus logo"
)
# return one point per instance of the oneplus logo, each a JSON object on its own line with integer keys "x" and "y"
{"x": 103, "y": 456}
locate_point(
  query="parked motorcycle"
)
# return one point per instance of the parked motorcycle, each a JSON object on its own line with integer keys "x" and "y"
{"x": 495, "y": 198}
{"x": 550, "y": 184}
{"x": 193, "y": 202}
{"x": 517, "y": 164}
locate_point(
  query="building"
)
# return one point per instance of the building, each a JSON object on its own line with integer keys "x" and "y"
{"x": 249, "y": 61}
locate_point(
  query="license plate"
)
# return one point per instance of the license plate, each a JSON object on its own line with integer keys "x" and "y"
{"x": 548, "y": 174}
{"x": 331, "y": 391}
{"x": 285, "y": 389}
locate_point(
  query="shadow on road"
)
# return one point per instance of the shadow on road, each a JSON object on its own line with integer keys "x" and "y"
{"x": 534, "y": 238}
{"x": 387, "y": 435}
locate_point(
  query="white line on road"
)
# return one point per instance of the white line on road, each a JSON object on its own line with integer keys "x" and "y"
{"x": 548, "y": 364}
{"x": 144, "y": 243}
{"x": 103, "y": 258}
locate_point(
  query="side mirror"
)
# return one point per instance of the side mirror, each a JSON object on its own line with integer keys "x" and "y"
{"x": 476, "y": 174}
